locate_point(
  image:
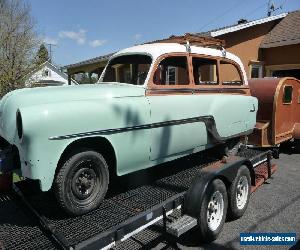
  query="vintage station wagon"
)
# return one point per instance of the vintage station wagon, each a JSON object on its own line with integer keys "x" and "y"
{"x": 153, "y": 103}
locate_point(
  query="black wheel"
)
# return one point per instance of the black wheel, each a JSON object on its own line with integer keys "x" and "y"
{"x": 297, "y": 145}
{"x": 213, "y": 211}
{"x": 239, "y": 193}
{"x": 276, "y": 152}
{"x": 81, "y": 183}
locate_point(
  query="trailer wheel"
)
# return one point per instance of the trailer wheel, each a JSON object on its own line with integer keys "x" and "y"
{"x": 82, "y": 182}
{"x": 239, "y": 193}
{"x": 297, "y": 145}
{"x": 213, "y": 211}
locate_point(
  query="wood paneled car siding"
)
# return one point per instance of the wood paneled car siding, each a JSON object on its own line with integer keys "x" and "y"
{"x": 192, "y": 88}
{"x": 277, "y": 121}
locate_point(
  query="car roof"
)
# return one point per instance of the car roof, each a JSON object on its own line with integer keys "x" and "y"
{"x": 157, "y": 49}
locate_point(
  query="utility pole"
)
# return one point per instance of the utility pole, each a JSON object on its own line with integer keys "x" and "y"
{"x": 50, "y": 45}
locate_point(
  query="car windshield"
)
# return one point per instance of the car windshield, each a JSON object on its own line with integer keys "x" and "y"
{"x": 131, "y": 69}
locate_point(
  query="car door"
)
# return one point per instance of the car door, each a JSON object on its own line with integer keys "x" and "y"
{"x": 174, "y": 130}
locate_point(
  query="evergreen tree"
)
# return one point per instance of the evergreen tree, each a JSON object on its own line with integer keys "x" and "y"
{"x": 42, "y": 55}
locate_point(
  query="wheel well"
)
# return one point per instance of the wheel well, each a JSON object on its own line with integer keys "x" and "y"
{"x": 98, "y": 144}
{"x": 251, "y": 170}
{"x": 227, "y": 182}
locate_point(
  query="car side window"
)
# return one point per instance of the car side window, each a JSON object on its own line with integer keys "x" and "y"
{"x": 287, "y": 94}
{"x": 229, "y": 74}
{"x": 172, "y": 70}
{"x": 205, "y": 71}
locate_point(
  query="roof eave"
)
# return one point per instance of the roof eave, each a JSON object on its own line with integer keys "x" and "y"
{"x": 247, "y": 25}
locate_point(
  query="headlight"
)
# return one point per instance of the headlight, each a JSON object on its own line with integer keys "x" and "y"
{"x": 19, "y": 124}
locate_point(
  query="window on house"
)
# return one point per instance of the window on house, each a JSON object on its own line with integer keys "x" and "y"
{"x": 229, "y": 74}
{"x": 46, "y": 73}
{"x": 172, "y": 71}
{"x": 205, "y": 71}
{"x": 256, "y": 71}
{"x": 287, "y": 94}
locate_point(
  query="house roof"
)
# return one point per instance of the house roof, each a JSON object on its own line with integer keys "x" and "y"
{"x": 286, "y": 32}
{"x": 241, "y": 26}
{"x": 289, "y": 20}
{"x": 97, "y": 59}
{"x": 52, "y": 67}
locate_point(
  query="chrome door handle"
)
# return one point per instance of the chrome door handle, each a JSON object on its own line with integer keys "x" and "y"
{"x": 253, "y": 109}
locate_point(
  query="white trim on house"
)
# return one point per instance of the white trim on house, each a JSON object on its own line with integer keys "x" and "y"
{"x": 246, "y": 25}
{"x": 53, "y": 77}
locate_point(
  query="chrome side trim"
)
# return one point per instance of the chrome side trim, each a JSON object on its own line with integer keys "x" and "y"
{"x": 208, "y": 120}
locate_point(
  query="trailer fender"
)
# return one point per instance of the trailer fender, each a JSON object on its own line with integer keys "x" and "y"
{"x": 195, "y": 194}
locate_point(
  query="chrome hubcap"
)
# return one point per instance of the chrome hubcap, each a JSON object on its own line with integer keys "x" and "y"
{"x": 215, "y": 211}
{"x": 242, "y": 190}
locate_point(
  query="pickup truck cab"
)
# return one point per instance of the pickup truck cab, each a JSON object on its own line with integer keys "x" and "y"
{"x": 153, "y": 103}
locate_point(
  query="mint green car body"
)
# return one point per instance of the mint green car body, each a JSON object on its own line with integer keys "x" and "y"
{"x": 53, "y": 118}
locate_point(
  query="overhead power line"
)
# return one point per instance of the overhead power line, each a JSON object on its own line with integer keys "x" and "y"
{"x": 245, "y": 16}
{"x": 256, "y": 9}
{"x": 238, "y": 3}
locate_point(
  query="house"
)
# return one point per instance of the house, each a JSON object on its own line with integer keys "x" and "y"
{"x": 92, "y": 67}
{"x": 268, "y": 46}
{"x": 47, "y": 74}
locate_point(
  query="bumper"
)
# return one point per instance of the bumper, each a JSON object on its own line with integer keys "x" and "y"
{"x": 6, "y": 160}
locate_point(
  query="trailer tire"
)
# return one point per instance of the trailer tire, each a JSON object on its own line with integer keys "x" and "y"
{"x": 82, "y": 182}
{"x": 297, "y": 145}
{"x": 213, "y": 211}
{"x": 239, "y": 193}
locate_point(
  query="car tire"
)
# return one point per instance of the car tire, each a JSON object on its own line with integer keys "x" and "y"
{"x": 212, "y": 212}
{"x": 82, "y": 182}
{"x": 239, "y": 193}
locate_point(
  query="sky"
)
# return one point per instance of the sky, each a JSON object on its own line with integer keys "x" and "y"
{"x": 81, "y": 30}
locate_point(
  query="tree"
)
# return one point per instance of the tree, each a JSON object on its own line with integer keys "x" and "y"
{"x": 42, "y": 55}
{"x": 18, "y": 41}
{"x": 86, "y": 78}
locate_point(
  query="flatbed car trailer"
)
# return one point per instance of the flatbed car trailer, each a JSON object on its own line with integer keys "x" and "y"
{"x": 34, "y": 221}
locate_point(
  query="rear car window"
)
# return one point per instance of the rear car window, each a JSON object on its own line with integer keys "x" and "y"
{"x": 229, "y": 74}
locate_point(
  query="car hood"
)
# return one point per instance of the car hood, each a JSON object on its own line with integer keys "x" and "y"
{"x": 34, "y": 96}
{"x": 25, "y": 98}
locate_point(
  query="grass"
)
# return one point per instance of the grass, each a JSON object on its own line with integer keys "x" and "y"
{"x": 16, "y": 177}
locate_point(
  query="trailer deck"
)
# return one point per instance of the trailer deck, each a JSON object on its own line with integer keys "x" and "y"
{"x": 34, "y": 221}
